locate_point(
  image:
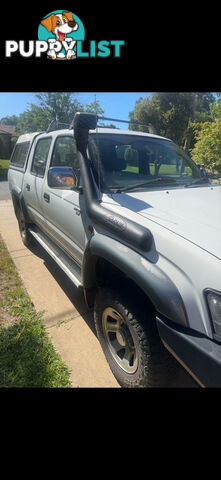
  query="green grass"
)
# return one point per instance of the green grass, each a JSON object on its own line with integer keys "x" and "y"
{"x": 4, "y": 163}
{"x": 27, "y": 356}
{"x": 164, "y": 169}
{"x": 4, "y": 169}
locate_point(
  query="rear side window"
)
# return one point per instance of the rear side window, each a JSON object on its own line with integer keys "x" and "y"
{"x": 20, "y": 154}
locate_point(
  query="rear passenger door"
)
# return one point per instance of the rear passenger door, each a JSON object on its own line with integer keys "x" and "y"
{"x": 34, "y": 179}
{"x": 63, "y": 208}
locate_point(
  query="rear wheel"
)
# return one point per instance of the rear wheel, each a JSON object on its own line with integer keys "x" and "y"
{"x": 23, "y": 228}
{"x": 129, "y": 337}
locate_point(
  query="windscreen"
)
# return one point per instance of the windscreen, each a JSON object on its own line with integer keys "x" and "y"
{"x": 120, "y": 161}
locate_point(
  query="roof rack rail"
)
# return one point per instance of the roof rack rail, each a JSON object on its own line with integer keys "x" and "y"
{"x": 150, "y": 127}
{"x": 107, "y": 126}
{"x": 55, "y": 125}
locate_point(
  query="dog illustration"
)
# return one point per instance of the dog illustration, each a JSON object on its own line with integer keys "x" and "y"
{"x": 60, "y": 25}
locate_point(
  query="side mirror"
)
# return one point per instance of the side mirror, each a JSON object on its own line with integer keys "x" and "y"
{"x": 61, "y": 177}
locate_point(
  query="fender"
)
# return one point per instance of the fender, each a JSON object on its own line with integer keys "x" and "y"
{"x": 158, "y": 287}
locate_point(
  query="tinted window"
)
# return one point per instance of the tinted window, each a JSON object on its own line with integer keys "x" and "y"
{"x": 40, "y": 156}
{"x": 20, "y": 154}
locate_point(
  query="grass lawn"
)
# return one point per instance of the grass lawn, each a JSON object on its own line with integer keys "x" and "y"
{"x": 27, "y": 356}
{"x": 4, "y": 169}
{"x": 164, "y": 169}
{"x": 4, "y": 163}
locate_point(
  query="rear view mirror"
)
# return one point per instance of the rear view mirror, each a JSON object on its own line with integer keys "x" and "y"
{"x": 62, "y": 177}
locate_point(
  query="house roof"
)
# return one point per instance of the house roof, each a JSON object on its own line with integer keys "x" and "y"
{"x": 8, "y": 130}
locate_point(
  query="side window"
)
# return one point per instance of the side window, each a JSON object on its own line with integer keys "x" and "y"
{"x": 40, "y": 156}
{"x": 65, "y": 154}
{"x": 19, "y": 154}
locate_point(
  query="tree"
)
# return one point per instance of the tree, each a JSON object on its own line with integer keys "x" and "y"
{"x": 207, "y": 149}
{"x": 94, "y": 107}
{"x": 9, "y": 120}
{"x": 201, "y": 112}
{"x": 33, "y": 120}
{"x": 52, "y": 106}
{"x": 215, "y": 107}
{"x": 171, "y": 114}
{"x": 145, "y": 111}
{"x": 60, "y": 106}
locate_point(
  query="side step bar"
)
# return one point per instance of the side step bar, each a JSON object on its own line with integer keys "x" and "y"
{"x": 71, "y": 269}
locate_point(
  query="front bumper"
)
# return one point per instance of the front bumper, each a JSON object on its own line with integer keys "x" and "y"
{"x": 200, "y": 355}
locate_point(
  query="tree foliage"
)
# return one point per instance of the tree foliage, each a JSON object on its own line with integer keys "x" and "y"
{"x": 207, "y": 147}
{"x": 171, "y": 114}
{"x": 9, "y": 120}
{"x": 52, "y": 106}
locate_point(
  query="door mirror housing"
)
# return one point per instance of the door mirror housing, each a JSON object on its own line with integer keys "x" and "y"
{"x": 61, "y": 177}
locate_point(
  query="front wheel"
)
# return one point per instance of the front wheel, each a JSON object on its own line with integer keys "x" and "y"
{"x": 128, "y": 334}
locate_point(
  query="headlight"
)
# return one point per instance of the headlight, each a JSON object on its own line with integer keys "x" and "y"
{"x": 214, "y": 302}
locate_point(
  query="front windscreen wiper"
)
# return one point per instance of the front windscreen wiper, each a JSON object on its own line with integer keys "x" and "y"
{"x": 142, "y": 184}
{"x": 198, "y": 182}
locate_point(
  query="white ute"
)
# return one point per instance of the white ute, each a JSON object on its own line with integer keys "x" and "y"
{"x": 133, "y": 221}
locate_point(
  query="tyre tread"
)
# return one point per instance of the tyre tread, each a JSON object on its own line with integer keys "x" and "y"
{"x": 157, "y": 366}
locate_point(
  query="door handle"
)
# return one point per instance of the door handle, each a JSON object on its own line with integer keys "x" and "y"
{"x": 47, "y": 197}
{"x": 27, "y": 186}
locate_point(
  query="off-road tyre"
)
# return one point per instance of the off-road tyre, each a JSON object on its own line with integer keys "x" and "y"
{"x": 23, "y": 228}
{"x": 154, "y": 366}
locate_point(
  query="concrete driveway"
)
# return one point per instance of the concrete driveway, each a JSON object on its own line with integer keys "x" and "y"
{"x": 4, "y": 191}
{"x": 66, "y": 318}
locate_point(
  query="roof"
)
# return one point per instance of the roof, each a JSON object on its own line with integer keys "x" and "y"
{"x": 126, "y": 132}
{"x": 116, "y": 131}
{"x": 29, "y": 136}
{"x": 8, "y": 130}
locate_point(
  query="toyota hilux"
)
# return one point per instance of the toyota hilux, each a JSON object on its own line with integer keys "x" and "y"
{"x": 135, "y": 223}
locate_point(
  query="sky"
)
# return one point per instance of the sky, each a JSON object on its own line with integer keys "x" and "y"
{"x": 114, "y": 104}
